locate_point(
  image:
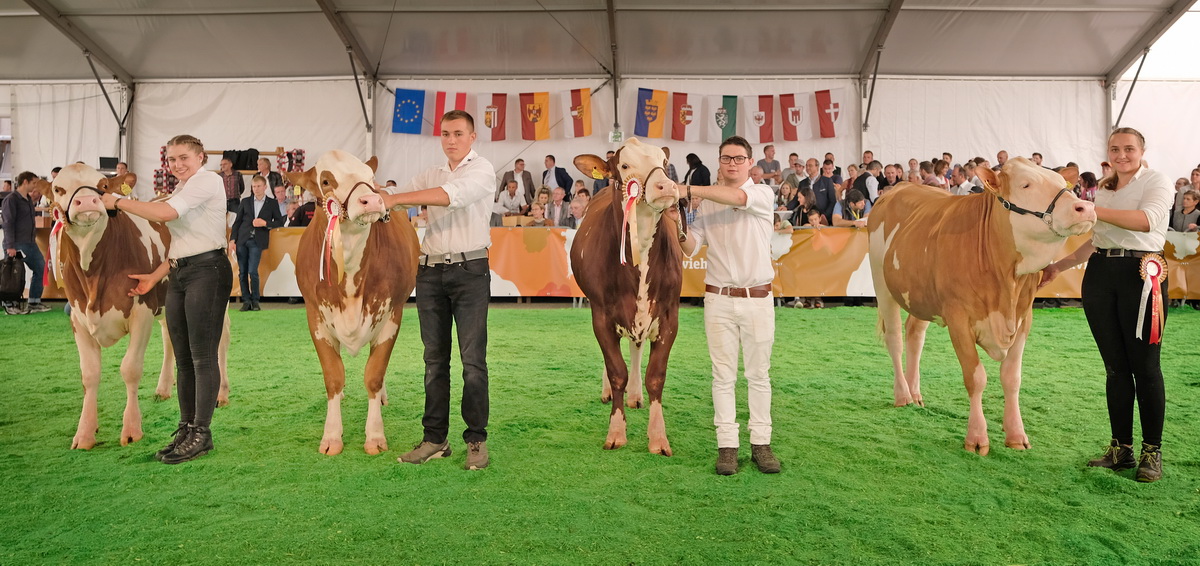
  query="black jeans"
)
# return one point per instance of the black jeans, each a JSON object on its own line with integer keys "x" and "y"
{"x": 248, "y": 255}
{"x": 457, "y": 294}
{"x": 196, "y": 300}
{"x": 1112, "y": 291}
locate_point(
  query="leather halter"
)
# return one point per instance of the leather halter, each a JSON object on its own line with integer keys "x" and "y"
{"x": 1043, "y": 216}
{"x": 67, "y": 213}
{"x": 344, "y": 206}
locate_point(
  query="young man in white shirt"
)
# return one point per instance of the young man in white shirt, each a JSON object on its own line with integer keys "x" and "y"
{"x": 735, "y": 220}
{"x": 453, "y": 287}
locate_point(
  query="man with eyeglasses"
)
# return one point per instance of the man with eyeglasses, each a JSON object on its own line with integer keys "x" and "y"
{"x": 735, "y": 220}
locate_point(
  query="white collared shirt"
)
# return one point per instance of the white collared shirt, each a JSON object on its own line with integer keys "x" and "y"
{"x": 200, "y": 202}
{"x": 510, "y": 204}
{"x": 258, "y": 204}
{"x": 464, "y": 225}
{"x": 1149, "y": 191}
{"x": 739, "y": 239}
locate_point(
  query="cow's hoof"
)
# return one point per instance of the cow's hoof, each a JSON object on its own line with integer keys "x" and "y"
{"x": 83, "y": 442}
{"x": 918, "y": 401}
{"x": 606, "y": 398}
{"x": 614, "y": 442}
{"x": 634, "y": 403}
{"x": 331, "y": 446}
{"x": 660, "y": 446}
{"x": 130, "y": 436}
{"x": 162, "y": 395}
{"x": 376, "y": 445}
{"x": 1018, "y": 443}
{"x": 977, "y": 447}
{"x": 903, "y": 401}
{"x": 222, "y": 400}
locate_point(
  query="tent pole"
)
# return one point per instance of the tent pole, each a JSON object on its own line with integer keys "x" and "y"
{"x": 358, "y": 85}
{"x": 1131, "y": 85}
{"x": 614, "y": 75}
{"x": 866, "y": 125}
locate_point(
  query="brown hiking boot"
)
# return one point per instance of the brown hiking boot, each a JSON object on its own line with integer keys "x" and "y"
{"x": 1149, "y": 467}
{"x": 1116, "y": 457}
{"x": 767, "y": 462}
{"x": 727, "y": 461}
{"x": 477, "y": 458}
{"x": 426, "y": 451}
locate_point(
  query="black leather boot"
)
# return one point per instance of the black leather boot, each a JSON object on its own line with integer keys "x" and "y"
{"x": 198, "y": 443}
{"x": 178, "y": 436}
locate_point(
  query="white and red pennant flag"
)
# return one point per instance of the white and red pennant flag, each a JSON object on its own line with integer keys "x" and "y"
{"x": 685, "y": 116}
{"x": 830, "y": 106}
{"x": 795, "y": 116}
{"x": 492, "y": 120}
{"x": 577, "y": 113}
{"x": 759, "y": 113}
{"x": 444, "y": 102}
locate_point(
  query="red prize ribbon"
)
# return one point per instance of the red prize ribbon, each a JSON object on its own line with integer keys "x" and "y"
{"x": 633, "y": 190}
{"x": 1154, "y": 272}
{"x": 55, "y": 236}
{"x": 333, "y": 210}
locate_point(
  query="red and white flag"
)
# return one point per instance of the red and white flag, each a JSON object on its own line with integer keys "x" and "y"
{"x": 492, "y": 120}
{"x": 577, "y": 113}
{"x": 795, "y": 113}
{"x": 685, "y": 116}
{"x": 444, "y": 102}
{"x": 759, "y": 117}
{"x": 830, "y": 106}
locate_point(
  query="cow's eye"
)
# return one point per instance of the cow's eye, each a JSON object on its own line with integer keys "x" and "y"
{"x": 1025, "y": 186}
{"x": 324, "y": 182}
{"x": 624, "y": 166}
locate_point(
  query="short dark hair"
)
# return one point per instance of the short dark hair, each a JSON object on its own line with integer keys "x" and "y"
{"x": 796, "y": 155}
{"x": 56, "y": 170}
{"x": 827, "y": 162}
{"x": 926, "y": 167}
{"x": 874, "y": 165}
{"x": 738, "y": 141}
{"x": 25, "y": 177}
{"x": 551, "y": 158}
{"x": 1036, "y": 153}
{"x": 519, "y": 160}
{"x": 583, "y": 192}
{"x": 459, "y": 114}
{"x": 854, "y": 196}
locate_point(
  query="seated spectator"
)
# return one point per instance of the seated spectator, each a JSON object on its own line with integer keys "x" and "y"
{"x": 130, "y": 178}
{"x": 302, "y": 215}
{"x": 579, "y": 186}
{"x": 1185, "y": 218}
{"x": 814, "y": 219}
{"x": 927, "y": 176}
{"x": 959, "y": 185}
{"x": 274, "y": 179}
{"x": 806, "y": 203}
{"x": 914, "y": 167}
{"x": 756, "y": 175}
{"x": 852, "y": 212}
{"x": 558, "y": 210}
{"x": 576, "y": 218}
{"x": 782, "y": 226}
{"x": 939, "y": 173}
{"x": 542, "y": 197}
{"x": 538, "y": 212}
{"x": 1087, "y": 186}
{"x": 513, "y": 201}
{"x": 785, "y": 200}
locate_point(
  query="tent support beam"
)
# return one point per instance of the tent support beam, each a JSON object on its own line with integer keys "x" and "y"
{"x": 881, "y": 35}
{"x": 866, "y": 125}
{"x": 89, "y": 47}
{"x": 1165, "y": 21}
{"x": 614, "y": 76}
{"x": 348, "y": 40}
{"x": 1129, "y": 94}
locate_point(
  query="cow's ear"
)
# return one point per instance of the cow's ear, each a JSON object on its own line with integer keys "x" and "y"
{"x": 990, "y": 181}
{"x": 103, "y": 184}
{"x": 118, "y": 183}
{"x": 667, "y": 153}
{"x": 373, "y": 163}
{"x": 306, "y": 179}
{"x": 1070, "y": 175}
{"x": 592, "y": 165}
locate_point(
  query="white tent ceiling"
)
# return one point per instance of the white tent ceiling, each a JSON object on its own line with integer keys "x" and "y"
{"x": 200, "y": 39}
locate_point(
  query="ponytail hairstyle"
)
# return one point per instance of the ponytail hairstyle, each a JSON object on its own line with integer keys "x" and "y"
{"x": 1109, "y": 183}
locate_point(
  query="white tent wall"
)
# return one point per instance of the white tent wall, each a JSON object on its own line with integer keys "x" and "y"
{"x": 1061, "y": 119}
{"x": 423, "y": 151}
{"x": 1167, "y": 114}
{"x": 57, "y": 124}
{"x": 313, "y": 115}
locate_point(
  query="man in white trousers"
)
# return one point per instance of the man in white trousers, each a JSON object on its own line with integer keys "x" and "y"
{"x": 735, "y": 220}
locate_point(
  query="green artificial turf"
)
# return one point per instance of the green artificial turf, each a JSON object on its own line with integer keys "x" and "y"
{"x": 863, "y": 482}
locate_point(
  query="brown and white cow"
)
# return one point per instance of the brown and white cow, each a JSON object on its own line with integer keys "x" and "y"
{"x": 626, "y": 259}
{"x": 91, "y": 257}
{"x": 355, "y": 274}
{"x": 971, "y": 263}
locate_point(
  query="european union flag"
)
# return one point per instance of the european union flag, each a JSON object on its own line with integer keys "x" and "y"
{"x": 410, "y": 108}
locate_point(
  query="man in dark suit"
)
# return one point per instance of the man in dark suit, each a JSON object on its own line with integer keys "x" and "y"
{"x": 556, "y": 177}
{"x": 251, "y": 234}
{"x": 523, "y": 178}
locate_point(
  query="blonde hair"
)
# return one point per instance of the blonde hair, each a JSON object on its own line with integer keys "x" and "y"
{"x": 1110, "y": 182}
{"x": 192, "y": 142}
{"x": 258, "y": 178}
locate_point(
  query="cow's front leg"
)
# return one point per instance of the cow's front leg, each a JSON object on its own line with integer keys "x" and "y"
{"x": 656, "y": 378}
{"x": 89, "y": 366}
{"x": 633, "y": 391}
{"x": 614, "y": 365}
{"x": 166, "y": 374}
{"x": 335, "y": 382}
{"x": 1010, "y": 379}
{"x": 373, "y": 378}
{"x": 140, "y": 327}
{"x": 975, "y": 378}
{"x": 914, "y": 344}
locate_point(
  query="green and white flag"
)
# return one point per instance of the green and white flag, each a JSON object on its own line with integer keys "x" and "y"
{"x": 720, "y": 117}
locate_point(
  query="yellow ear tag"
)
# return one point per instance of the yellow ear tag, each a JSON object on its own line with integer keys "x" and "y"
{"x": 126, "y": 189}
{"x": 296, "y": 190}
{"x": 596, "y": 174}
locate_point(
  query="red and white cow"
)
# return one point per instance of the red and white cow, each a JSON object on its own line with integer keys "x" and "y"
{"x": 91, "y": 257}
{"x": 626, "y": 259}
{"x": 971, "y": 263}
{"x": 355, "y": 270}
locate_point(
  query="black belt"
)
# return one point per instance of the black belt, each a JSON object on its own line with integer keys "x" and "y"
{"x": 1120, "y": 252}
{"x": 208, "y": 255}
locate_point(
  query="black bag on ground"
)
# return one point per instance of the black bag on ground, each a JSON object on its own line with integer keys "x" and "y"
{"x": 12, "y": 278}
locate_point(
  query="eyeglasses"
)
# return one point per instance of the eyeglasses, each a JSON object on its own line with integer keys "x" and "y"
{"x": 739, "y": 159}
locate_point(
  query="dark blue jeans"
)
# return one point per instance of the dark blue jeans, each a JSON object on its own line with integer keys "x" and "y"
{"x": 455, "y": 294}
{"x": 36, "y": 262}
{"x": 248, "y": 255}
{"x": 197, "y": 296}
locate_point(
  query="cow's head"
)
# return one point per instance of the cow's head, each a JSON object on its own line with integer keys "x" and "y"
{"x": 75, "y": 194}
{"x": 636, "y": 169}
{"x": 344, "y": 186}
{"x": 1040, "y": 198}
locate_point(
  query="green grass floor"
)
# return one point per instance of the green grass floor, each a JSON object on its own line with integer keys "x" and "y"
{"x": 862, "y": 483}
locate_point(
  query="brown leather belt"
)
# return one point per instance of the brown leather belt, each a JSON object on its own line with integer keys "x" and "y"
{"x": 740, "y": 292}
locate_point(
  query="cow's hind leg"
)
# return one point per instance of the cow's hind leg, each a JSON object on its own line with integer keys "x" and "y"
{"x": 914, "y": 343}
{"x": 890, "y": 328}
{"x": 223, "y": 363}
{"x": 89, "y": 366}
{"x": 975, "y": 378}
{"x": 373, "y": 379}
{"x": 656, "y": 378}
{"x": 140, "y": 328}
{"x": 166, "y": 374}
{"x": 335, "y": 382}
{"x": 633, "y": 393}
{"x": 614, "y": 365}
{"x": 1010, "y": 379}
